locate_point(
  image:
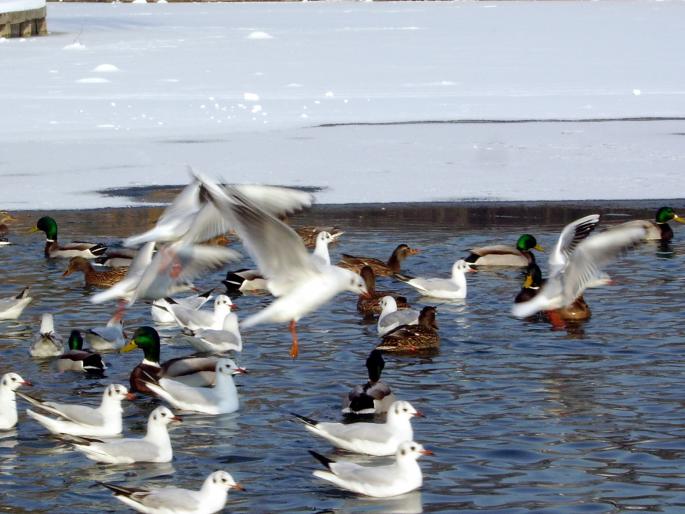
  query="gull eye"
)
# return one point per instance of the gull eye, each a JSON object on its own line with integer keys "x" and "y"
{"x": 413, "y": 448}
{"x": 224, "y": 480}
{"x": 164, "y": 414}
{"x": 405, "y": 409}
{"x": 14, "y": 379}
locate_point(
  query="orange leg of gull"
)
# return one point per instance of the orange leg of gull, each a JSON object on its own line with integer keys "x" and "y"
{"x": 294, "y": 349}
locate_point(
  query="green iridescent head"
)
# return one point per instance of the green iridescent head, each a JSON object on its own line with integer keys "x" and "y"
{"x": 527, "y": 242}
{"x": 47, "y": 225}
{"x": 75, "y": 340}
{"x": 147, "y": 339}
{"x": 666, "y": 214}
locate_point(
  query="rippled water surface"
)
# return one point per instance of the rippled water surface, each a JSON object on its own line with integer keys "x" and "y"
{"x": 521, "y": 418}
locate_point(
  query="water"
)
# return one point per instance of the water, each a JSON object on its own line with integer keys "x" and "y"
{"x": 521, "y": 418}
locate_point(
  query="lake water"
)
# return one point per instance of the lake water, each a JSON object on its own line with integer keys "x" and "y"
{"x": 521, "y": 418}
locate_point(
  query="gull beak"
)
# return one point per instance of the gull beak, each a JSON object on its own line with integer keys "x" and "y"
{"x": 238, "y": 487}
{"x": 177, "y": 419}
{"x": 538, "y": 248}
{"x": 426, "y": 452}
{"x": 130, "y": 396}
{"x": 419, "y": 414}
{"x": 234, "y": 307}
{"x": 27, "y": 383}
{"x": 131, "y": 345}
{"x": 471, "y": 270}
{"x": 240, "y": 371}
{"x": 678, "y": 219}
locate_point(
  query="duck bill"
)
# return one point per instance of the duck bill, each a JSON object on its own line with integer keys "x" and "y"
{"x": 33, "y": 230}
{"x": 426, "y": 452}
{"x": 539, "y": 248}
{"x": 130, "y": 396}
{"x": 678, "y": 219}
{"x": 131, "y": 345}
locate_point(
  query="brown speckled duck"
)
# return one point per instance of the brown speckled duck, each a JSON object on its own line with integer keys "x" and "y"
{"x": 410, "y": 339}
{"x": 92, "y": 277}
{"x": 370, "y": 304}
{"x": 379, "y": 267}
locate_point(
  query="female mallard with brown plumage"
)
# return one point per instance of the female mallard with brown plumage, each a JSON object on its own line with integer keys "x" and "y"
{"x": 194, "y": 371}
{"x": 380, "y": 268}
{"x": 370, "y": 303}
{"x": 74, "y": 249}
{"x": 504, "y": 255}
{"x": 421, "y": 338}
{"x": 93, "y": 277}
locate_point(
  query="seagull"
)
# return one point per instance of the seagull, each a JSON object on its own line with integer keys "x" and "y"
{"x": 220, "y": 399}
{"x": 575, "y": 269}
{"x": 9, "y": 383}
{"x": 110, "y": 337}
{"x": 194, "y": 319}
{"x": 244, "y": 281}
{"x": 82, "y": 420}
{"x": 369, "y": 438}
{"x": 391, "y": 318}
{"x": 160, "y": 311}
{"x": 446, "y": 288}
{"x": 219, "y": 341}
{"x": 301, "y": 282}
{"x": 154, "y": 447}
{"x": 13, "y": 306}
{"x": 402, "y": 476}
{"x": 374, "y": 397}
{"x": 210, "y": 498}
{"x": 323, "y": 239}
{"x": 47, "y": 342}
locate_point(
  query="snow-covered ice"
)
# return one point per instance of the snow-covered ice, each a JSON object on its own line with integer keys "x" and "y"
{"x": 374, "y": 102}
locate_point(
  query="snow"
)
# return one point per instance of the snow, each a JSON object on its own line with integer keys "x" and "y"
{"x": 20, "y": 5}
{"x": 372, "y": 102}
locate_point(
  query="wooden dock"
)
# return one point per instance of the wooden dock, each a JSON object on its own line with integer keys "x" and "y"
{"x": 31, "y": 22}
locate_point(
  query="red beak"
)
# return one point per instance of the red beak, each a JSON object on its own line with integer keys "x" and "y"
{"x": 419, "y": 414}
{"x": 130, "y": 396}
{"x": 426, "y": 452}
{"x": 241, "y": 371}
{"x": 234, "y": 307}
{"x": 177, "y": 419}
{"x": 27, "y": 383}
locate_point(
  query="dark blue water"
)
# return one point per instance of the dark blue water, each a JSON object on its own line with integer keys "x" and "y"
{"x": 521, "y": 418}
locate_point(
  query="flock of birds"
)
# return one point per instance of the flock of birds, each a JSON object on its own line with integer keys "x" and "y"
{"x": 160, "y": 263}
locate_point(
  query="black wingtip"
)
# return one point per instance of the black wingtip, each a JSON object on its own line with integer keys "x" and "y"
{"x": 322, "y": 459}
{"x": 305, "y": 420}
{"x": 114, "y": 488}
{"x": 206, "y": 294}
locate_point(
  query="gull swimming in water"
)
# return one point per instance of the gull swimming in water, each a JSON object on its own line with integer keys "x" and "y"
{"x": 9, "y": 383}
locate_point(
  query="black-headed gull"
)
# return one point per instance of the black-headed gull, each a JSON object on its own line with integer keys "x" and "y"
{"x": 161, "y": 313}
{"x": 12, "y": 307}
{"x": 400, "y": 477}
{"x": 47, "y": 342}
{"x": 9, "y": 383}
{"x": 373, "y": 397}
{"x": 210, "y": 498}
{"x": 220, "y": 399}
{"x": 195, "y": 319}
{"x": 301, "y": 282}
{"x": 453, "y": 288}
{"x": 323, "y": 239}
{"x": 110, "y": 337}
{"x": 154, "y": 447}
{"x": 581, "y": 268}
{"x": 391, "y": 317}
{"x": 228, "y": 339}
{"x": 369, "y": 438}
{"x": 82, "y": 420}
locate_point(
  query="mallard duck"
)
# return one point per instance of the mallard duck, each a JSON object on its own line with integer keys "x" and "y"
{"x": 419, "y": 338}
{"x": 117, "y": 258}
{"x": 78, "y": 359}
{"x": 195, "y": 371}
{"x": 12, "y": 307}
{"x": 92, "y": 277}
{"x": 74, "y": 249}
{"x": 453, "y": 288}
{"x": 379, "y": 267}
{"x": 370, "y": 303}
{"x": 373, "y": 397}
{"x": 309, "y": 234}
{"x": 5, "y": 218}
{"x": 47, "y": 342}
{"x": 504, "y": 255}
{"x": 659, "y": 229}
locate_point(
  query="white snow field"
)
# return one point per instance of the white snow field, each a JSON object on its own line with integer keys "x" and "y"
{"x": 129, "y": 94}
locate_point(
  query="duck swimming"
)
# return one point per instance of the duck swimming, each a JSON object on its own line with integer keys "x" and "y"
{"x": 659, "y": 229}
{"x": 373, "y": 397}
{"x": 379, "y": 267}
{"x": 74, "y": 249}
{"x": 370, "y": 303}
{"x": 92, "y": 277}
{"x": 504, "y": 255}
{"x": 409, "y": 339}
{"x": 78, "y": 359}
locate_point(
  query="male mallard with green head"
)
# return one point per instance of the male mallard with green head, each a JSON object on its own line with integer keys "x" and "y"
{"x": 78, "y": 359}
{"x": 659, "y": 229}
{"x": 74, "y": 249}
{"x": 504, "y": 255}
{"x": 195, "y": 371}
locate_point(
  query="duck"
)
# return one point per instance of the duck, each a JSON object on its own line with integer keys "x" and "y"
{"x": 9, "y": 384}
{"x": 373, "y": 397}
{"x": 5, "y": 218}
{"x": 380, "y": 268}
{"x": 54, "y": 250}
{"x": 244, "y": 281}
{"x": 391, "y": 317}
{"x": 504, "y": 255}
{"x": 110, "y": 337}
{"x": 369, "y": 304}
{"x": 12, "y": 307}
{"x": 453, "y": 288}
{"x": 659, "y": 229}
{"x": 92, "y": 277}
{"x": 47, "y": 342}
{"x": 195, "y": 371}
{"x": 117, "y": 258}
{"x": 76, "y": 358}
{"x": 408, "y": 339}
{"x": 400, "y": 477}
{"x": 309, "y": 234}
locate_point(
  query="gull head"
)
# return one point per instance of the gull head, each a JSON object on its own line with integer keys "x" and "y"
{"x": 388, "y": 304}
{"x": 355, "y": 284}
{"x": 411, "y": 450}
{"x": 223, "y": 303}
{"x": 324, "y": 238}
{"x": 162, "y": 416}
{"x": 229, "y": 367}
{"x": 118, "y": 392}
{"x": 403, "y": 410}
{"x": 224, "y": 480}
{"x": 461, "y": 267}
{"x": 13, "y": 381}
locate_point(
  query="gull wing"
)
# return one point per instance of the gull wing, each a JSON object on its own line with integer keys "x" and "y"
{"x": 571, "y": 235}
